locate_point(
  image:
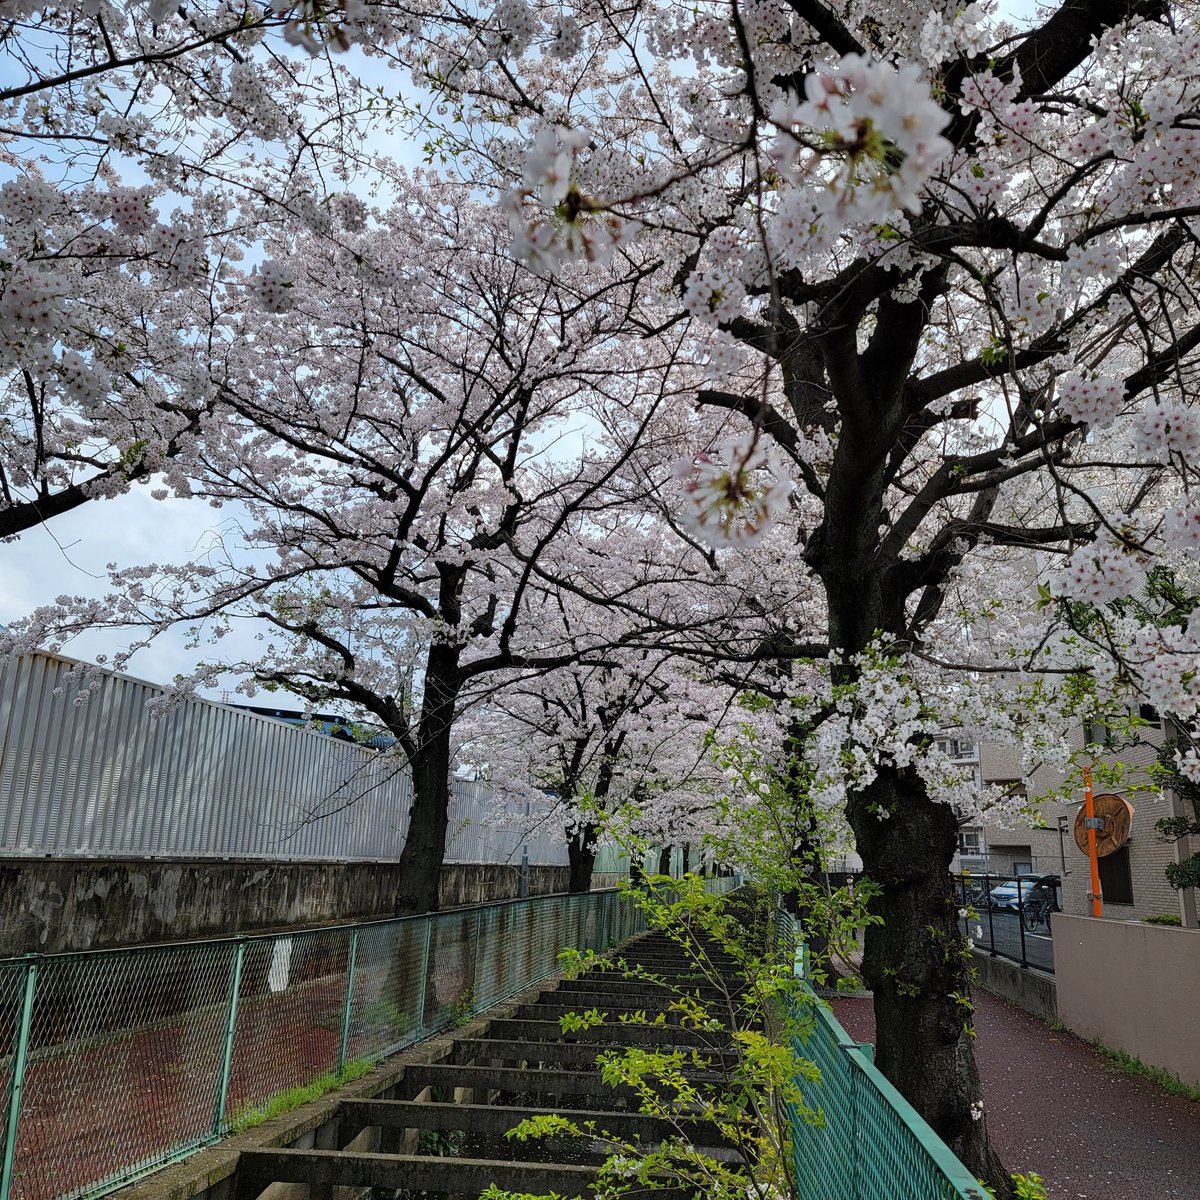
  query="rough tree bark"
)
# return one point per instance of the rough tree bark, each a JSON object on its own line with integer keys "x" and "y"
{"x": 915, "y": 962}
{"x": 429, "y": 760}
{"x": 581, "y": 856}
{"x": 581, "y": 852}
{"x": 917, "y": 965}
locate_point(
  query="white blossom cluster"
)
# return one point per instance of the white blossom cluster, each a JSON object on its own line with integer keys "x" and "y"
{"x": 351, "y": 212}
{"x": 131, "y": 210}
{"x": 1091, "y": 398}
{"x": 83, "y": 382}
{"x": 32, "y": 302}
{"x": 735, "y": 494}
{"x": 714, "y": 295}
{"x": 944, "y": 37}
{"x": 854, "y": 120}
{"x": 566, "y": 37}
{"x": 1187, "y": 763}
{"x": 1181, "y": 525}
{"x": 511, "y": 30}
{"x": 249, "y": 98}
{"x": 560, "y": 224}
{"x": 1092, "y": 265}
{"x": 274, "y": 286}
{"x": 1162, "y": 430}
{"x": 1098, "y": 574}
{"x": 1168, "y": 665}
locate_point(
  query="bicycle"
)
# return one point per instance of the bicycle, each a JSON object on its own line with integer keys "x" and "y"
{"x": 1036, "y": 912}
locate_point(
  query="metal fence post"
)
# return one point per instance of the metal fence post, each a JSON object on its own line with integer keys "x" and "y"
{"x": 1021, "y": 921}
{"x": 855, "y": 1104}
{"x": 987, "y": 899}
{"x": 235, "y": 987}
{"x": 424, "y": 992}
{"x": 351, "y": 966}
{"x": 20, "y": 1054}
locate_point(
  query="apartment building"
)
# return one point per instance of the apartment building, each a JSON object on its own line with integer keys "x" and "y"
{"x": 1132, "y": 880}
{"x": 972, "y": 852}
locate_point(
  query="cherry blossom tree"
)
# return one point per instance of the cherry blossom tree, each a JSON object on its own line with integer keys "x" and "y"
{"x": 942, "y": 266}
{"x": 627, "y": 737}
{"x": 143, "y": 149}
{"x": 104, "y": 372}
{"x": 958, "y": 247}
{"x": 395, "y": 414}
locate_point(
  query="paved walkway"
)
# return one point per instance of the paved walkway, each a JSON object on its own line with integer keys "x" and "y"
{"x": 1057, "y": 1107}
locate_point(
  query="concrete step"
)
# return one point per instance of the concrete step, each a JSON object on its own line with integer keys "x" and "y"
{"x": 468, "y": 1050}
{"x": 613, "y": 1001}
{"x": 552, "y": 1012}
{"x": 612, "y": 1032}
{"x": 522, "y": 1081}
{"x": 638, "y": 987}
{"x": 495, "y": 1119}
{"x": 323, "y": 1170}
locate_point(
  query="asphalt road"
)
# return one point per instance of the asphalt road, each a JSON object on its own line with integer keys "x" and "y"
{"x": 1056, "y": 1106}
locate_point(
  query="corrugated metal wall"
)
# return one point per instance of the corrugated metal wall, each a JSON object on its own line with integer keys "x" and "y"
{"x": 104, "y": 778}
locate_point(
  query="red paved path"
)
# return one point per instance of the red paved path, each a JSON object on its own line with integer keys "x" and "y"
{"x": 1057, "y": 1107}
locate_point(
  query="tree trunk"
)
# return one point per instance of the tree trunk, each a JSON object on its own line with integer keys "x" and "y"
{"x": 916, "y": 962}
{"x": 664, "y": 861}
{"x": 581, "y": 854}
{"x": 918, "y": 965}
{"x": 420, "y": 865}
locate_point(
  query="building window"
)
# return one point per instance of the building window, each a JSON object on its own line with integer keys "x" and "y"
{"x": 1097, "y": 733}
{"x": 1022, "y": 867}
{"x": 1149, "y": 714}
{"x": 956, "y": 747}
{"x": 1116, "y": 880}
{"x": 969, "y": 841}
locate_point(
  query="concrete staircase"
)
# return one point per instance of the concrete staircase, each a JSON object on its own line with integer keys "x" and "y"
{"x": 441, "y": 1130}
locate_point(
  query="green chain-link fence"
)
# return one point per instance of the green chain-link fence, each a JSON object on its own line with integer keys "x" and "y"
{"x": 117, "y": 1062}
{"x": 870, "y": 1143}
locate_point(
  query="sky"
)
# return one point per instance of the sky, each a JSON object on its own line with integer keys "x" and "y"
{"x": 68, "y": 555}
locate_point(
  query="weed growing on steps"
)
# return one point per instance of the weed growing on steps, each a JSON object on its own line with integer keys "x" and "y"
{"x": 250, "y": 1115}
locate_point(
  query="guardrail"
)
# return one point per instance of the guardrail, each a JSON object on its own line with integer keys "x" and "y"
{"x": 119, "y": 1062}
{"x": 1010, "y": 916}
{"x": 871, "y": 1144}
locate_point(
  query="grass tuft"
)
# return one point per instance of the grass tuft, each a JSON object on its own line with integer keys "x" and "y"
{"x": 251, "y": 1115}
{"x": 1134, "y": 1066}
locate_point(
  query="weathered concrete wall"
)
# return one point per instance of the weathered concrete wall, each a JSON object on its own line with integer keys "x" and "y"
{"x": 50, "y": 905}
{"x": 1032, "y": 990}
{"x": 1132, "y": 987}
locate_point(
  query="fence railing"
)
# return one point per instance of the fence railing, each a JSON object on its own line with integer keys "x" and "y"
{"x": 117, "y": 1062}
{"x": 870, "y": 1144}
{"x": 1010, "y": 916}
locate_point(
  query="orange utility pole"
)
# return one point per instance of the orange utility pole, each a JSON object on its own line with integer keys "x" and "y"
{"x": 1089, "y": 812}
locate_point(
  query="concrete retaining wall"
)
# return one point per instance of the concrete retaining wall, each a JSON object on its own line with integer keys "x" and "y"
{"x": 1132, "y": 987}
{"x": 51, "y": 905}
{"x": 1030, "y": 989}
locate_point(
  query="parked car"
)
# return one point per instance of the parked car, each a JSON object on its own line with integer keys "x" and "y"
{"x": 1005, "y": 895}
